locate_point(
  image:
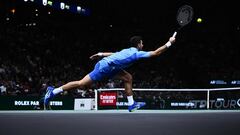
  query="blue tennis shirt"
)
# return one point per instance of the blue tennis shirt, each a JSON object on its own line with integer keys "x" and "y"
{"x": 113, "y": 64}
{"x": 126, "y": 57}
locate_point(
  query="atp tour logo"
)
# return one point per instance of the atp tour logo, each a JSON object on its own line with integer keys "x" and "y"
{"x": 219, "y": 103}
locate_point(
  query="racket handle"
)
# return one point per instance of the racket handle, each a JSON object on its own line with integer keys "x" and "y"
{"x": 174, "y": 34}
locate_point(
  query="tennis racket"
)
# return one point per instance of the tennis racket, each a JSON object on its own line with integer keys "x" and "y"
{"x": 184, "y": 17}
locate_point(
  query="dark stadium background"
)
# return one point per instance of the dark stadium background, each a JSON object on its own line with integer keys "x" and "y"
{"x": 49, "y": 46}
{"x": 54, "y": 47}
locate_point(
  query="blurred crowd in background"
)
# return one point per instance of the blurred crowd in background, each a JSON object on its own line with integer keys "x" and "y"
{"x": 39, "y": 52}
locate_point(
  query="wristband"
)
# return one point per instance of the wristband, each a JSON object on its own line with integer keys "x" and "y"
{"x": 100, "y": 54}
{"x": 168, "y": 44}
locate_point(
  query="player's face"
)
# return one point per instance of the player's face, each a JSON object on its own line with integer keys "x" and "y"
{"x": 140, "y": 45}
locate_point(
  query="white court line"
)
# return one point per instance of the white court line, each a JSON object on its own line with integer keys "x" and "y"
{"x": 121, "y": 111}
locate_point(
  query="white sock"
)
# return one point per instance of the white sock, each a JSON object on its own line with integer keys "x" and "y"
{"x": 130, "y": 100}
{"x": 57, "y": 90}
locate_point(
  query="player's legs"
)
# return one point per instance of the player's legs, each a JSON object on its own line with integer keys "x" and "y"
{"x": 86, "y": 81}
{"x": 127, "y": 78}
{"x": 95, "y": 75}
{"x": 51, "y": 91}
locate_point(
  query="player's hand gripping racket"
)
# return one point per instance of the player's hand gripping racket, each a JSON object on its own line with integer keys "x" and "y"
{"x": 184, "y": 17}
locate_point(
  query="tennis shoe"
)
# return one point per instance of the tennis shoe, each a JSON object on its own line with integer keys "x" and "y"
{"x": 48, "y": 96}
{"x": 136, "y": 106}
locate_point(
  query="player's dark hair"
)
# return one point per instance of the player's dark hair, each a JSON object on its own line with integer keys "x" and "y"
{"x": 135, "y": 40}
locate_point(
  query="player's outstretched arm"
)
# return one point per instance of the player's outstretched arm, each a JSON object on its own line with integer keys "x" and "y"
{"x": 100, "y": 54}
{"x": 163, "y": 48}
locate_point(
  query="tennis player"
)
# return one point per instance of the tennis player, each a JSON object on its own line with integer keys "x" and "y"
{"x": 112, "y": 65}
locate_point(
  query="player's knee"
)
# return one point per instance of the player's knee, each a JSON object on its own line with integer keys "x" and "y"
{"x": 80, "y": 84}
